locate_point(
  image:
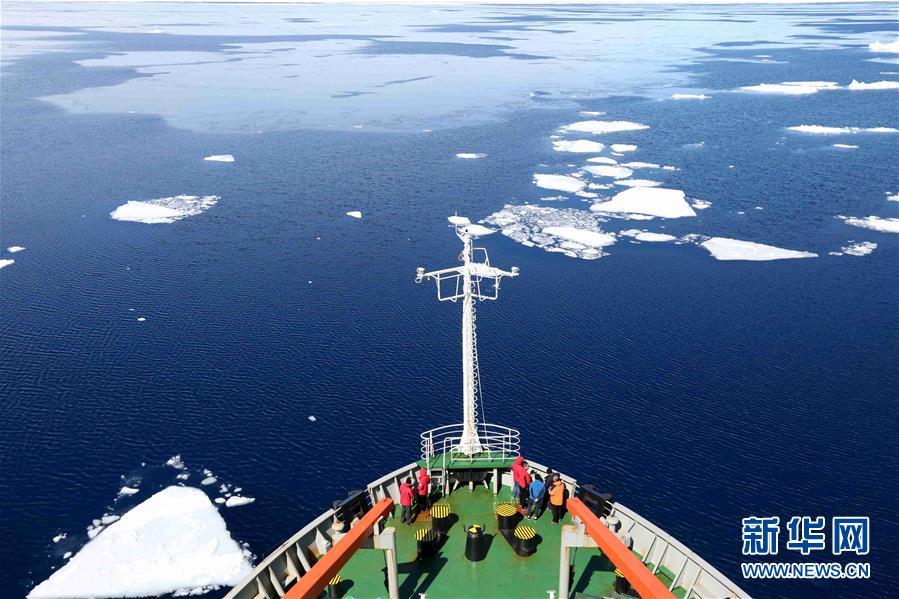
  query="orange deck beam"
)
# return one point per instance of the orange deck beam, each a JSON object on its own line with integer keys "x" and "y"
{"x": 313, "y": 582}
{"x": 641, "y": 579}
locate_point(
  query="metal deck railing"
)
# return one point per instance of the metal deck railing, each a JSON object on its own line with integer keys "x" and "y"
{"x": 439, "y": 446}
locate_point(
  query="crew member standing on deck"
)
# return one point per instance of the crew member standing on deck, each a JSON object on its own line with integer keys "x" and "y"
{"x": 406, "y": 495}
{"x": 424, "y": 490}
{"x": 524, "y": 482}
{"x": 516, "y": 487}
{"x": 557, "y": 492}
{"x": 536, "y": 491}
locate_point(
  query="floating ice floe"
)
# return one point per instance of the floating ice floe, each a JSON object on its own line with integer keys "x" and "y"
{"x": 470, "y": 155}
{"x": 638, "y": 183}
{"x": 845, "y": 146}
{"x": 176, "y": 462}
{"x": 856, "y": 248}
{"x": 700, "y": 204}
{"x": 602, "y": 160}
{"x": 647, "y": 201}
{"x": 616, "y": 172}
{"x": 163, "y": 210}
{"x": 477, "y": 230}
{"x": 689, "y": 97}
{"x": 312, "y": 418}
{"x": 6, "y": 262}
{"x": 582, "y": 146}
{"x": 575, "y": 233}
{"x": 825, "y": 130}
{"x": 220, "y": 158}
{"x": 559, "y": 182}
{"x": 722, "y": 248}
{"x": 647, "y": 235}
{"x": 874, "y": 223}
{"x": 597, "y": 127}
{"x": 175, "y": 541}
{"x": 592, "y": 113}
{"x": 128, "y": 491}
{"x": 622, "y": 148}
{"x": 553, "y": 198}
{"x": 458, "y": 220}
{"x": 60, "y": 537}
{"x": 237, "y": 501}
{"x": 636, "y": 165}
{"x": 884, "y": 47}
{"x": 792, "y": 88}
{"x": 354, "y": 214}
{"x": 14, "y": 249}
{"x": 892, "y": 197}
{"x": 858, "y": 85}
{"x": 209, "y": 480}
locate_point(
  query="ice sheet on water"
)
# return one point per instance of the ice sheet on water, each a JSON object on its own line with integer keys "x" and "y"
{"x": 636, "y": 165}
{"x": 825, "y": 130}
{"x": 14, "y": 249}
{"x": 163, "y": 210}
{"x": 125, "y": 491}
{"x": 723, "y": 248}
{"x": 638, "y": 183}
{"x": 616, "y": 172}
{"x": 6, "y": 262}
{"x": 874, "y": 223}
{"x": 642, "y": 235}
{"x": 791, "y": 88}
{"x": 622, "y": 148}
{"x": 558, "y": 182}
{"x": 859, "y": 86}
{"x": 237, "y": 501}
{"x": 856, "y": 248}
{"x": 354, "y": 214}
{"x": 647, "y": 201}
{"x": 892, "y": 197}
{"x": 458, "y": 220}
{"x": 174, "y": 541}
{"x": 575, "y": 233}
{"x": 689, "y": 97}
{"x": 700, "y": 204}
{"x": 176, "y": 462}
{"x": 582, "y": 146}
{"x": 845, "y": 146}
{"x": 598, "y": 127}
{"x": 470, "y": 155}
{"x": 220, "y": 158}
{"x": 602, "y": 160}
{"x": 885, "y": 47}
{"x": 476, "y": 230}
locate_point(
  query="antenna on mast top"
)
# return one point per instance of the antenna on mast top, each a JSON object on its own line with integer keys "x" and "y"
{"x": 474, "y": 280}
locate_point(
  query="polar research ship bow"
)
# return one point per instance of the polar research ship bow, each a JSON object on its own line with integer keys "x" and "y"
{"x": 474, "y": 540}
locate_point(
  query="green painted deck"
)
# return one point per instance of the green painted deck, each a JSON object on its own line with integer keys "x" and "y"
{"x": 503, "y": 573}
{"x": 461, "y": 461}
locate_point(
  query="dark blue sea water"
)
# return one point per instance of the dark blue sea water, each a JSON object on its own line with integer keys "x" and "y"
{"x": 698, "y": 391}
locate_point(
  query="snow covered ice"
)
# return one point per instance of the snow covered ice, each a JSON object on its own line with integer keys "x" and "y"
{"x": 220, "y": 158}
{"x": 649, "y": 201}
{"x": 163, "y": 210}
{"x": 723, "y": 248}
{"x": 885, "y": 47}
{"x": 874, "y": 223}
{"x": 237, "y": 501}
{"x": 689, "y": 97}
{"x": 856, "y": 248}
{"x": 575, "y": 233}
{"x": 638, "y": 183}
{"x": 578, "y": 145}
{"x": 597, "y": 127}
{"x": 6, "y": 262}
{"x": 791, "y": 88}
{"x": 354, "y": 214}
{"x": 470, "y": 155}
{"x": 622, "y": 148}
{"x": 14, "y": 249}
{"x": 559, "y": 182}
{"x": 616, "y": 172}
{"x": 825, "y": 130}
{"x": 647, "y": 235}
{"x": 174, "y": 541}
{"x": 858, "y": 85}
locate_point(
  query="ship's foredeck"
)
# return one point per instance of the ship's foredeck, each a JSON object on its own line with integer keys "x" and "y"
{"x": 503, "y": 573}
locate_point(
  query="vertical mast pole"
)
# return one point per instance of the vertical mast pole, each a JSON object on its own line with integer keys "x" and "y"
{"x": 469, "y": 443}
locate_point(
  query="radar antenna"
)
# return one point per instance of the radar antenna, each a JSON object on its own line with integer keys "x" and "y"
{"x": 474, "y": 280}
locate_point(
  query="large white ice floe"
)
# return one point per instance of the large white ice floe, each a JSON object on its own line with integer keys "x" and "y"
{"x": 647, "y": 201}
{"x": 559, "y": 182}
{"x": 874, "y": 223}
{"x": 602, "y": 160}
{"x": 885, "y": 47}
{"x": 791, "y": 88}
{"x": 237, "y": 501}
{"x": 582, "y": 146}
{"x": 175, "y": 541}
{"x": 163, "y": 210}
{"x": 825, "y": 130}
{"x": 6, "y": 262}
{"x": 597, "y": 127}
{"x": 616, "y": 172}
{"x": 622, "y": 148}
{"x": 638, "y": 183}
{"x": 220, "y": 158}
{"x": 354, "y": 214}
{"x": 723, "y": 248}
{"x": 575, "y": 233}
{"x": 689, "y": 97}
{"x": 470, "y": 155}
{"x": 856, "y": 248}
{"x": 859, "y": 86}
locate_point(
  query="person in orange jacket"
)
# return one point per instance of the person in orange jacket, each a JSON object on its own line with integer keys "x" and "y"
{"x": 557, "y": 493}
{"x": 424, "y": 490}
{"x": 406, "y": 495}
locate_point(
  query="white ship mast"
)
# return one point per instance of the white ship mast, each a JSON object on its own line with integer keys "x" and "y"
{"x": 474, "y": 280}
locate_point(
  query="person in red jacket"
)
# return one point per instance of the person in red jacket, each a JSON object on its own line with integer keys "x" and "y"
{"x": 406, "y": 495}
{"x": 516, "y": 477}
{"x": 524, "y": 482}
{"x": 424, "y": 490}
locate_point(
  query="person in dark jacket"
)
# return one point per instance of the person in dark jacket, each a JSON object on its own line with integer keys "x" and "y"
{"x": 536, "y": 491}
{"x": 406, "y": 496}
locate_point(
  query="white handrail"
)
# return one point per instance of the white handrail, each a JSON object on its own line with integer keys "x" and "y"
{"x": 496, "y": 442}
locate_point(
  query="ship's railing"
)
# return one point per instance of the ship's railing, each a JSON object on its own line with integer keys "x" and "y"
{"x": 440, "y": 446}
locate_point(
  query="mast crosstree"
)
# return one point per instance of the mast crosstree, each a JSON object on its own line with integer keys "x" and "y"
{"x": 475, "y": 280}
